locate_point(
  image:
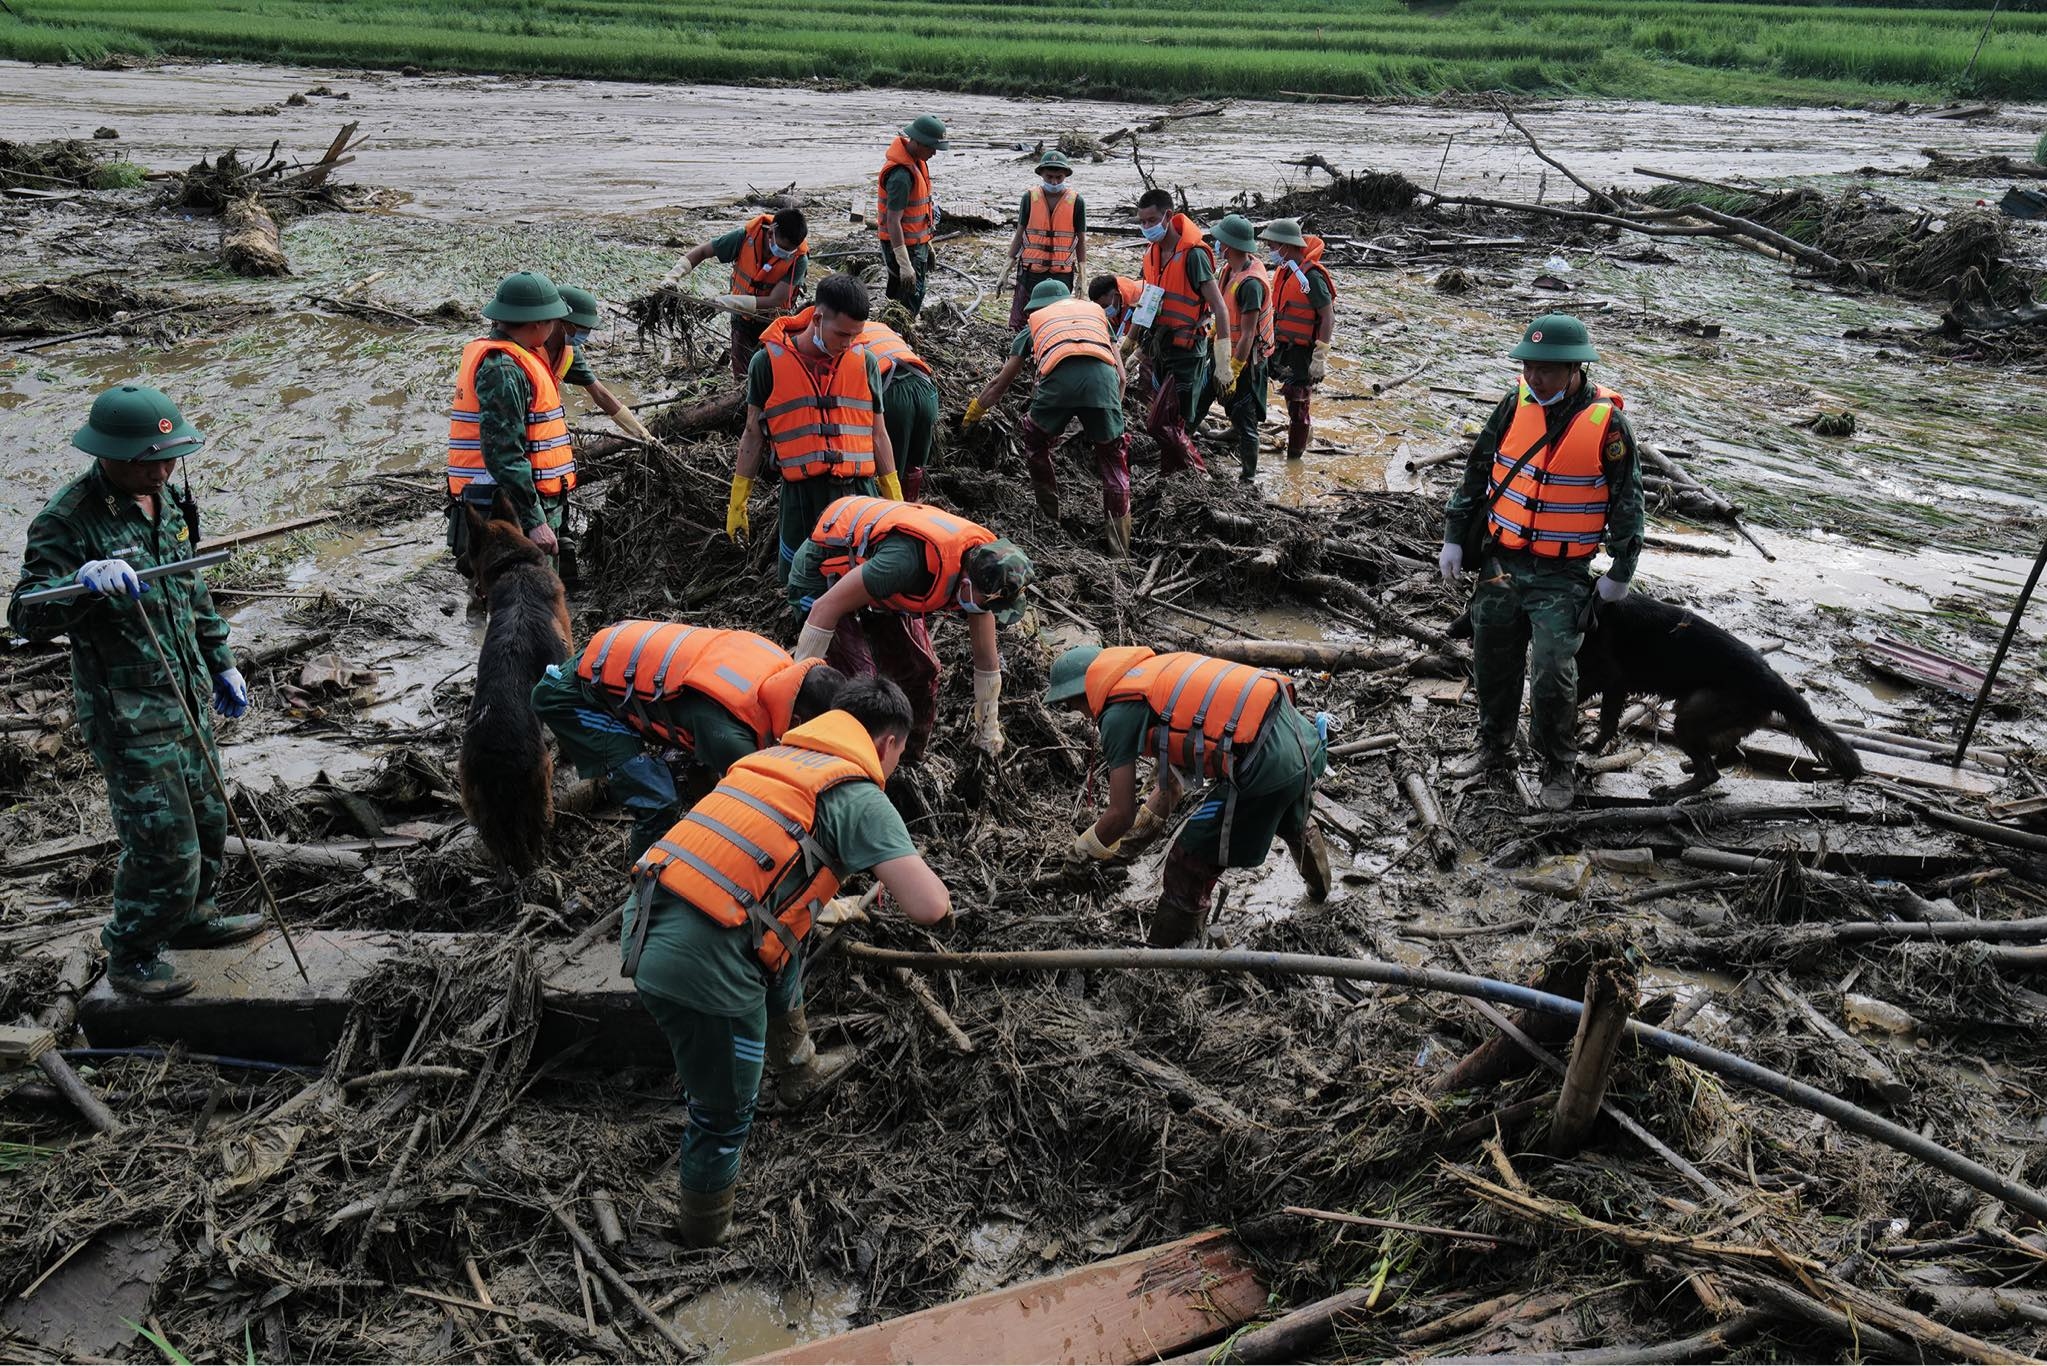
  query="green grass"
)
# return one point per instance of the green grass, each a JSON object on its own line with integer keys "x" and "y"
{"x": 1666, "y": 49}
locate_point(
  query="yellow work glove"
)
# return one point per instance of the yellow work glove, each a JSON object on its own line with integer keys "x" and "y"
{"x": 1129, "y": 345}
{"x": 975, "y": 412}
{"x": 736, "y": 303}
{"x": 629, "y": 423}
{"x": 891, "y": 485}
{"x": 987, "y": 721}
{"x": 737, "y": 525}
{"x": 1086, "y": 849}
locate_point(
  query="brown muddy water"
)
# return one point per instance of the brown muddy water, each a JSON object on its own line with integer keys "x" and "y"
{"x": 1921, "y": 523}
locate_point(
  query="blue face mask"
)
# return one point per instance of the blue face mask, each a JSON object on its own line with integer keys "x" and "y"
{"x": 778, "y": 251}
{"x": 1052, "y": 186}
{"x": 1274, "y": 259}
{"x": 577, "y": 338}
{"x": 1155, "y": 233}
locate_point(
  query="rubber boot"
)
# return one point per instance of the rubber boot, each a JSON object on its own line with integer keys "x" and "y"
{"x": 705, "y": 1218}
{"x": 1559, "y": 787}
{"x": 1048, "y": 499}
{"x": 1117, "y": 531}
{"x": 1184, "y": 900}
{"x": 1311, "y": 857}
{"x": 801, "y": 1069}
{"x": 1297, "y": 423}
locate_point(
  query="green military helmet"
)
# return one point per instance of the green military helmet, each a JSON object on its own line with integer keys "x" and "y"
{"x": 582, "y": 306}
{"x": 1055, "y": 160}
{"x": 527, "y": 297}
{"x": 1068, "y": 678}
{"x": 1236, "y": 231}
{"x": 1047, "y": 292}
{"x": 1000, "y": 571}
{"x": 136, "y": 422}
{"x": 1285, "y": 231}
{"x": 1556, "y": 337}
{"x": 928, "y": 129}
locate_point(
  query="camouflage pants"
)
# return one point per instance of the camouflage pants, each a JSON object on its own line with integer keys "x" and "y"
{"x": 172, "y": 827}
{"x": 1524, "y": 618}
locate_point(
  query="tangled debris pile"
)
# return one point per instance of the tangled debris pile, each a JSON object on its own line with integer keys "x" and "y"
{"x": 71, "y": 163}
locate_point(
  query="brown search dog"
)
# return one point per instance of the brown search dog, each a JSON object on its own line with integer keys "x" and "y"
{"x": 507, "y": 768}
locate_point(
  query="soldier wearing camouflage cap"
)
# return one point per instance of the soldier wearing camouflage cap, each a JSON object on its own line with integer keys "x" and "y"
{"x": 508, "y": 437}
{"x": 100, "y": 530}
{"x": 1553, "y": 474}
{"x": 870, "y": 573}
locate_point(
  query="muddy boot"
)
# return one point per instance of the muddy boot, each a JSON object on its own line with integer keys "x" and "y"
{"x": 705, "y": 1217}
{"x": 1048, "y": 499}
{"x": 1175, "y": 926}
{"x": 1311, "y": 856}
{"x": 802, "y": 1071}
{"x": 1486, "y": 759}
{"x": 1117, "y": 531}
{"x": 1559, "y": 787}
{"x": 152, "y": 978}
{"x": 209, "y": 929}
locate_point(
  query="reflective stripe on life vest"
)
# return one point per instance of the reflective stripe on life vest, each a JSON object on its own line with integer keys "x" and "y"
{"x": 1068, "y": 329}
{"x": 852, "y": 526}
{"x": 1207, "y": 714}
{"x": 917, "y": 213}
{"x": 1556, "y": 504}
{"x": 636, "y": 665}
{"x": 745, "y": 854}
{"x": 757, "y": 270}
{"x": 549, "y": 448}
{"x": 1051, "y": 244}
{"x": 1252, "y": 269}
{"x": 1183, "y": 311}
{"x": 1294, "y": 320}
{"x": 889, "y": 350}
{"x": 817, "y": 432}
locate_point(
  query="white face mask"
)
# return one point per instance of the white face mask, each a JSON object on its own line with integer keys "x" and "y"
{"x": 1052, "y": 186}
{"x": 1155, "y": 233}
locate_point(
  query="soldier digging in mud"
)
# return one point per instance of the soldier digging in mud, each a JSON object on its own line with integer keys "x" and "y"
{"x": 1553, "y": 474}
{"x": 98, "y": 531}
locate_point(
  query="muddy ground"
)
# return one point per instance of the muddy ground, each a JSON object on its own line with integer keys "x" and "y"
{"x": 1050, "y": 1147}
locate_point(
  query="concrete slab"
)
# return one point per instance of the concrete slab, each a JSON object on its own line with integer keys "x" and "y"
{"x": 249, "y": 1002}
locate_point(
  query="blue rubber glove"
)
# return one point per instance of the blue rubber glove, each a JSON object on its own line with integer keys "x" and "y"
{"x": 1451, "y": 561}
{"x": 112, "y": 578}
{"x": 230, "y": 693}
{"x": 1322, "y": 726}
{"x": 1610, "y": 589}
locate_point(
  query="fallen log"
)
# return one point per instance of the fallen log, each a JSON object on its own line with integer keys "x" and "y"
{"x": 1610, "y": 997}
{"x": 1303, "y": 654}
{"x": 1879, "y": 1078}
{"x": 1701, "y": 816}
{"x": 249, "y": 240}
{"x": 1989, "y": 831}
{"x": 1290, "y": 1337}
{"x": 1894, "y": 897}
{"x": 1371, "y": 744}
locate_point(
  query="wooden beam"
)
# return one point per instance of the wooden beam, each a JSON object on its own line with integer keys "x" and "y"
{"x": 1137, "y": 1307}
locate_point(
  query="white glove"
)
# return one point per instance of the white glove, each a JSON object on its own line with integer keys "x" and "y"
{"x": 737, "y": 303}
{"x": 987, "y": 723}
{"x": 112, "y": 578}
{"x": 1087, "y": 848}
{"x": 813, "y": 642}
{"x": 230, "y": 693}
{"x": 906, "y": 269}
{"x": 629, "y": 422}
{"x": 1451, "y": 561}
{"x": 1317, "y": 368}
{"x": 840, "y": 910}
{"x": 1610, "y": 589}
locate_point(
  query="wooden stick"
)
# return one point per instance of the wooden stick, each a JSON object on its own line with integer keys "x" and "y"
{"x": 605, "y": 1211}
{"x": 1597, "y": 196}
{"x": 383, "y": 1200}
{"x": 1874, "y": 1074}
{"x": 619, "y": 1283}
{"x": 1430, "y": 1230}
{"x": 1290, "y": 1337}
{"x": 1371, "y": 744}
{"x": 922, "y": 994}
{"x": 69, "y": 1085}
{"x": 1609, "y": 999}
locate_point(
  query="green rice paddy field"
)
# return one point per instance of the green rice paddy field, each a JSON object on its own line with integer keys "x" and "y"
{"x": 1684, "y": 50}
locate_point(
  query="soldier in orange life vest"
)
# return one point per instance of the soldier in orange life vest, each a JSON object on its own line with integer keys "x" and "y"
{"x": 1117, "y": 296}
{"x": 1231, "y": 725}
{"x": 871, "y": 572}
{"x": 1180, "y": 265}
{"x": 906, "y": 215}
{"x": 508, "y": 438}
{"x": 767, "y": 257}
{"x": 1080, "y": 376}
{"x": 1051, "y": 235}
{"x": 1248, "y": 290}
{"x": 813, "y": 406}
{"x": 1303, "y": 320}
{"x": 713, "y": 933}
{"x": 1553, "y": 475}
{"x": 909, "y": 400}
{"x": 643, "y": 689}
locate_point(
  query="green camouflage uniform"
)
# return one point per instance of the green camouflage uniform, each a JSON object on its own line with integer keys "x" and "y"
{"x": 167, "y": 813}
{"x": 1526, "y": 608}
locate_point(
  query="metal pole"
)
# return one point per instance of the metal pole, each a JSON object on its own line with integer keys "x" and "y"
{"x": 2011, "y": 628}
{"x": 220, "y": 786}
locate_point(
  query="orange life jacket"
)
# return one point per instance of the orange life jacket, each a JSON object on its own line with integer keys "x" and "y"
{"x": 1068, "y": 329}
{"x": 889, "y": 350}
{"x": 818, "y": 432}
{"x": 1293, "y": 317}
{"x": 744, "y": 854}
{"x": 852, "y": 526}
{"x": 1252, "y": 269}
{"x": 1051, "y": 244}
{"x": 1207, "y": 714}
{"x": 1183, "y": 310}
{"x": 562, "y": 363}
{"x": 1128, "y": 291}
{"x": 636, "y": 665}
{"x": 757, "y": 270}
{"x": 1556, "y": 504}
{"x": 548, "y": 446}
{"x": 917, "y": 222}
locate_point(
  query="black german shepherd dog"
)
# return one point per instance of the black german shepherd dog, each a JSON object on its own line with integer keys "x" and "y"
{"x": 507, "y": 768}
{"x": 1723, "y": 688}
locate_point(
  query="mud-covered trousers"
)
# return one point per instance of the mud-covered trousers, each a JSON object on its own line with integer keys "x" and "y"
{"x": 1181, "y": 374}
{"x": 719, "y": 1059}
{"x": 1524, "y": 620}
{"x": 875, "y": 641}
{"x": 1111, "y": 452}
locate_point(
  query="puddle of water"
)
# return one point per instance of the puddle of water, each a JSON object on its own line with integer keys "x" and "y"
{"x": 740, "y": 1320}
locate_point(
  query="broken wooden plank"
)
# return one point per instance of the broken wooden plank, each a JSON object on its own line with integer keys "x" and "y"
{"x": 21, "y": 1045}
{"x": 1137, "y": 1307}
{"x": 1770, "y": 749}
{"x": 56, "y": 851}
{"x": 1898, "y": 659}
